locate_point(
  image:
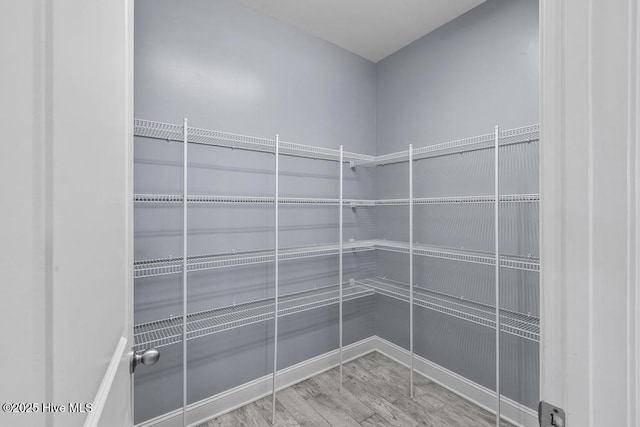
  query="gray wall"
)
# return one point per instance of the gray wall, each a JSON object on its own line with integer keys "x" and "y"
{"x": 476, "y": 72}
{"x": 462, "y": 79}
{"x": 228, "y": 68}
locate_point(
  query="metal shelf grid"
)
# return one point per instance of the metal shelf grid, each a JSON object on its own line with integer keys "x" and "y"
{"x": 519, "y": 324}
{"x": 507, "y": 137}
{"x": 247, "y": 200}
{"x": 310, "y": 201}
{"x": 507, "y": 261}
{"x": 173, "y": 132}
{"x": 459, "y": 200}
{"x": 165, "y": 266}
{"x": 519, "y": 135}
{"x": 168, "y": 331}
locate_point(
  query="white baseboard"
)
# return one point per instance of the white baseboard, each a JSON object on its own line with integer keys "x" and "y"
{"x": 510, "y": 410}
{"x": 244, "y": 394}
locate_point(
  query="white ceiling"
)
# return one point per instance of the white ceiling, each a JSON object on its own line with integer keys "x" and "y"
{"x": 372, "y": 29}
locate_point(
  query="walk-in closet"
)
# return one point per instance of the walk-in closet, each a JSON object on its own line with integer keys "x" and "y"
{"x": 323, "y": 237}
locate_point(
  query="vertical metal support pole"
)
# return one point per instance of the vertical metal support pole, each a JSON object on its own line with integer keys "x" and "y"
{"x": 340, "y": 260}
{"x": 411, "y": 266}
{"x": 275, "y": 297}
{"x": 496, "y": 205}
{"x": 185, "y": 143}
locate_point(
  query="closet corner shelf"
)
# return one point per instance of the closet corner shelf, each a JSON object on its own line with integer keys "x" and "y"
{"x": 511, "y": 322}
{"x": 248, "y": 200}
{"x": 168, "y": 331}
{"x": 310, "y": 201}
{"x": 174, "y": 132}
{"x": 530, "y": 133}
{"x": 173, "y": 265}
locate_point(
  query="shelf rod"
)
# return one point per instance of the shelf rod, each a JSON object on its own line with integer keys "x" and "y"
{"x": 411, "y": 266}
{"x": 185, "y": 146}
{"x": 340, "y": 262}
{"x": 275, "y": 298}
{"x": 496, "y": 205}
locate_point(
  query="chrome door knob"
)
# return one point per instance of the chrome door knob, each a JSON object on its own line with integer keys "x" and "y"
{"x": 146, "y": 357}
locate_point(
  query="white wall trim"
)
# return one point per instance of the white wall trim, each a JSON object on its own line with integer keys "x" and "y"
{"x": 511, "y": 411}
{"x": 589, "y": 210}
{"x": 552, "y": 132}
{"x": 100, "y": 400}
{"x": 244, "y": 394}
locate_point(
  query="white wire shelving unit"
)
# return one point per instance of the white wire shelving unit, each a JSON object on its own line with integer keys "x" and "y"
{"x": 246, "y": 200}
{"x": 165, "y": 266}
{"x": 262, "y": 310}
{"x": 310, "y": 201}
{"x": 173, "y": 132}
{"x": 495, "y": 140}
{"x": 525, "y": 134}
{"x": 507, "y": 261}
{"x": 180, "y": 329}
{"x": 523, "y": 325}
{"x": 164, "y": 332}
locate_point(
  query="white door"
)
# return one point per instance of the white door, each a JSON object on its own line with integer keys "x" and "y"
{"x": 66, "y": 230}
{"x": 589, "y": 183}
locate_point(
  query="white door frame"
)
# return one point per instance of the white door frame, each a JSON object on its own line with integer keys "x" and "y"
{"x": 590, "y": 158}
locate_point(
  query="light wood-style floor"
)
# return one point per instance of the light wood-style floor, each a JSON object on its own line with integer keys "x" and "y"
{"x": 375, "y": 394}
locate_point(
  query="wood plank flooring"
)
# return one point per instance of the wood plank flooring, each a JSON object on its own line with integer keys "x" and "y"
{"x": 375, "y": 394}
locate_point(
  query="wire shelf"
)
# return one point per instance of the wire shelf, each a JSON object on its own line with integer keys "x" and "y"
{"x": 173, "y": 265}
{"x": 522, "y": 134}
{"x": 173, "y": 132}
{"x": 168, "y": 331}
{"x": 310, "y": 201}
{"x": 505, "y": 198}
{"x": 157, "y": 130}
{"x": 247, "y": 200}
{"x": 519, "y": 135}
{"x": 459, "y": 200}
{"x": 519, "y": 324}
{"x": 476, "y": 257}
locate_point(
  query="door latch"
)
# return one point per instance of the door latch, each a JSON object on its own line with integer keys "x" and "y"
{"x": 550, "y": 416}
{"x": 146, "y": 357}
